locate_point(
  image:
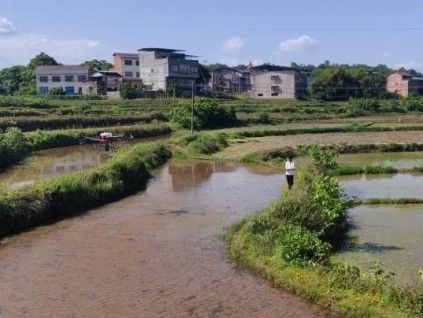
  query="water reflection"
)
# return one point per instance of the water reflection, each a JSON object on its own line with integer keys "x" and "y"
{"x": 185, "y": 176}
{"x": 52, "y": 163}
{"x": 384, "y": 186}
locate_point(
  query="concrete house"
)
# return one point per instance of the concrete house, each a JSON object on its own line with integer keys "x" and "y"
{"x": 127, "y": 65}
{"x": 230, "y": 80}
{"x": 74, "y": 79}
{"x": 163, "y": 69}
{"x": 271, "y": 81}
{"x": 403, "y": 84}
{"x": 106, "y": 81}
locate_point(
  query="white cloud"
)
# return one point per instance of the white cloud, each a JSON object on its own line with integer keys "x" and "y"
{"x": 386, "y": 55}
{"x": 19, "y": 48}
{"x": 6, "y": 27}
{"x": 233, "y": 44}
{"x": 303, "y": 44}
{"x": 257, "y": 61}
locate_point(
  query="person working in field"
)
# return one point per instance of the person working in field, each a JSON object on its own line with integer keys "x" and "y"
{"x": 289, "y": 171}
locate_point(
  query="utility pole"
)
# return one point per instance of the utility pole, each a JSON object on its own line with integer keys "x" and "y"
{"x": 192, "y": 108}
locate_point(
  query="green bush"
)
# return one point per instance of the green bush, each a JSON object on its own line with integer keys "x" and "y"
{"x": 301, "y": 247}
{"x": 206, "y": 114}
{"x": 207, "y": 144}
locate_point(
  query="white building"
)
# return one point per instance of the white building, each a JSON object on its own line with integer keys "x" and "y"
{"x": 127, "y": 65}
{"x": 163, "y": 69}
{"x": 270, "y": 81}
{"x": 74, "y": 79}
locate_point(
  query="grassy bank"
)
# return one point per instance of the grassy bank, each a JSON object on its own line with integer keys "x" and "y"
{"x": 126, "y": 173}
{"x": 290, "y": 244}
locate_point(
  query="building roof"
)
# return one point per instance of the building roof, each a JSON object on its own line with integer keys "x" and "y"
{"x": 130, "y": 55}
{"x": 63, "y": 67}
{"x": 269, "y": 67}
{"x": 157, "y": 49}
{"x": 106, "y": 73}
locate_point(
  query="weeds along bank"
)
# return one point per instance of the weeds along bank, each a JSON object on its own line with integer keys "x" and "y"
{"x": 127, "y": 172}
{"x": 290, "y": 244}
{"x": 14, "y": 144}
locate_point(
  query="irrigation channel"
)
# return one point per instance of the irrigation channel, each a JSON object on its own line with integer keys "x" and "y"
{"x": 158, "y": 253}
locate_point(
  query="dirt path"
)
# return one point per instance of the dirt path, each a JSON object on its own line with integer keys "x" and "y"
{"x": 240, "y": 148}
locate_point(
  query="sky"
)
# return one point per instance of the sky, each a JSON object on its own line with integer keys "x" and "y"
{"x": 231, "y": 32}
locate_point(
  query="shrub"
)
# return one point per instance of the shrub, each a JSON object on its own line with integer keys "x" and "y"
{"x": 301, "y": 247}
{"x": 206, "y": 114}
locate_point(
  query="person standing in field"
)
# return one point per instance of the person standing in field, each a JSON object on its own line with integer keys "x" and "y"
{"x": 289, "y": 171}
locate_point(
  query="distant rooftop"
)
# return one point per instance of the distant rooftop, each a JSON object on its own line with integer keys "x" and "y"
{"x": 158, "y": 49}
{"x": 132, "y": 55}
{"x": 62, "y": 67}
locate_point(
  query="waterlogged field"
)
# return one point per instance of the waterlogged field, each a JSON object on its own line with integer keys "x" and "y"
{"x": 398, "y": 160}
{"x": 387, "y": 233}
{"x": 391, "y": 234}
{"x": 384, "y": 186}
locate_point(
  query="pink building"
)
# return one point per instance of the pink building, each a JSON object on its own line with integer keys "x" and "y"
{"x": 404, "y": 84}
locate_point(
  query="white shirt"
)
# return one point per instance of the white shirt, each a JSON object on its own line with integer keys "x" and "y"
{"x": 289, "y": 168}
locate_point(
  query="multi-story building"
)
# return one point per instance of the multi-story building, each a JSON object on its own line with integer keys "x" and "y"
{"x": 127, "y": 65}
{"x": 163, "y": 69}
{"x": 230, "y": 80}
{"x": 74, "y": 79}
{"x": 271, "y": 81}
{"x": 403, "y": 84}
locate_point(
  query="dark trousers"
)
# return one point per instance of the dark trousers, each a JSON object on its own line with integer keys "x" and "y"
{"x": 290, "y": 180}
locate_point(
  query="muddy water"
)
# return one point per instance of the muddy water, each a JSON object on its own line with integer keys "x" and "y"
{"x": 391, "y": 234}
{"x": 49, "y": 163}
{"x": 155, "y": 254}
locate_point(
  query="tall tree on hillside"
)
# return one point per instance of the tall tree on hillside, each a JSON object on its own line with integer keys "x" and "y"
{"x": 98, "y": 65}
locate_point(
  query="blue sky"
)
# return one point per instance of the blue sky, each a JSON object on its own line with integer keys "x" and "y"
{"x": 232, "y": 32}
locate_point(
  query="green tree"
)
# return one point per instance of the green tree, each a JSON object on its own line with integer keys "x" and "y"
{"x": 98, "y": 65}
{"x": 41, "y": 59}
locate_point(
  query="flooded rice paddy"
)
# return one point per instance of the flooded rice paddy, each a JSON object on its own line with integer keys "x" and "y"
{"x": 398, "y": 160}
{"x": 388, "y": 233}
{"x": 159, "y": 253}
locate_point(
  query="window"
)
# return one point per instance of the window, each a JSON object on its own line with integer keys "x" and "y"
{"x": 274, "y": 94}
{"x": 128, "y": 74}
{"x": 43, "y": 79}
{"x": 128, "y": 62}
{"x": 274, "y": 88}
{"x": 138, "y": 74}
{"x": 43, "y": 90}
{"x": 69, "y": 90}
{"x": 260, "y": 94}
{"x": 69, "y": 78}
{"x": 275, "y": 78}
{"x": 80, "y": 90}
{"x": 82, "y": 78}
{"x": 56, "y": 79}
{"x": 137, "y": 63}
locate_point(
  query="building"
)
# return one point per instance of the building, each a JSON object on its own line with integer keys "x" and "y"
{"x": 106, "y": 81}
{"x": 230, "y": 80}
{"x": 404, "y": 84}
{"x": 168, "y": 69}
{"x": 127, "y": 65}
{"x": 74, "y": 79}
{"x": 271, "y": 81}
